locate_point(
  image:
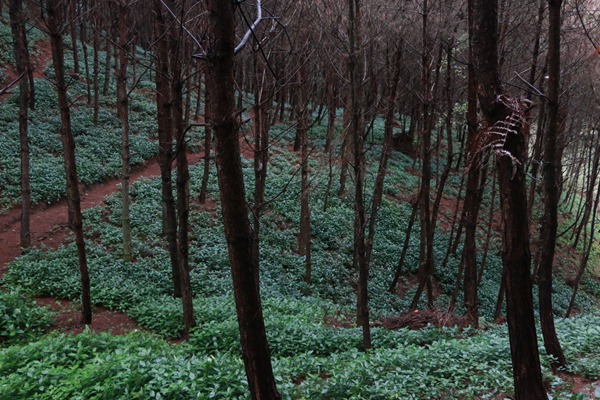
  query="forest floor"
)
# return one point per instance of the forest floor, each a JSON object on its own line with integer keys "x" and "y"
{"x": 49, "y": 228}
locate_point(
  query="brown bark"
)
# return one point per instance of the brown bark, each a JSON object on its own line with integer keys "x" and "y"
{"x": 552, "y": 168}
{"x": 21, "y": 55}
{"x": 425, "y": 274}
{"x": 472, "y": 193}
{"x": 123, "y": 112}
{"x": 164, "y": 107}
{"x": 54, "y": 22}
{"x": 356, "y": 131}
{"x": 244, "y": 265}
{"x": 72, "y": 9}
{"x": 96, "y": 64}
{"x": 497, "y": 109}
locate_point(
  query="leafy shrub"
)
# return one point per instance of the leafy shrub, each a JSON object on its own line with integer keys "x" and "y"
{"x": 21, "y": 319}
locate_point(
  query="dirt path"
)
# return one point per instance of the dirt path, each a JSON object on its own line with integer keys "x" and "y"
{"x": 49, "y": 226}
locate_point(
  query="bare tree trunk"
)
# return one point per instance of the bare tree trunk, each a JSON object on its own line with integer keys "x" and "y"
{"x": 178, "y": 55}
{"x": 304, "y": 236}
{"x": 357, "y": 136}
{"x": 123, "y": 111}
{"x": 83, "y": 39}
{"x": 400, "y": 265}
{"x": 109, "y": 38}
{"x": 72, "y": 8}
{"x": 21, "y": 52}
{"x": 331, "y": 108}
{"x": 500, "y": 110}
{"x": 425, "y": 274}
{"x": 472, "y": 204}
{"x": 96, "y": 66}
{"x": 392, "y": 91}
{"x": 55, "y": 21}
{"x": 243, "y": 262}
{"x": 552, "y": 168}
{"x": 164, "y": 107}
{"x": 587, "y": 248}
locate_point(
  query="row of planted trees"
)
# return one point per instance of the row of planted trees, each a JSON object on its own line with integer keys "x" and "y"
{"x": 475, "y": 88}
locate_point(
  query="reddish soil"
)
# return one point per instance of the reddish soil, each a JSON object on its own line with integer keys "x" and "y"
{"x": 49, "y": 227}
{"x": 40, "y": 59}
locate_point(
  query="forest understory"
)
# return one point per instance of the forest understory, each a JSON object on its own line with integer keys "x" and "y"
{"x": 300, "y": 169}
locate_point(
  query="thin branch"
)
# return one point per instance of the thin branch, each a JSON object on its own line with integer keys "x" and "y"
{"x": 251, "y": 28}
{"x": 190, "y": 34}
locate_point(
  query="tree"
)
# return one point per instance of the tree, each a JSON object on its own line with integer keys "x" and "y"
{"x": 552, "y": 168}
{"x": 243, "y": 262}
{"x": 123, "y": 111}
{"x": 505, "y": 131}
{"x": 356, "y": 131}
{"x": 21, "y": 54}
{"x": 55, "y": 25}
{"x": 164, "y": 107}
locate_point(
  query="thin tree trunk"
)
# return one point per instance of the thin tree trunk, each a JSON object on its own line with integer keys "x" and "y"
{"x": 392, "y": 89}
{"x": 84, "y": 46}
{"x": 164, "y": 107}
{"x": 73, "y": 31}
{"x": 243, "y": 262}
{"x": 587, "y": 248}
{"x": 55, "y": 21}
{"x": 552, "y": 168}
{"x": 21, "y": 55}
{"x": 123, "y": 111}
{"x": 96, "y": 66}
{"x": 472, "y": 204}
{"x": 107, "y": 65}
{"x": 357, "y": 135}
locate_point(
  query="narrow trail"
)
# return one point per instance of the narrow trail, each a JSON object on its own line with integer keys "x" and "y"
{"x": 49, "y": 226}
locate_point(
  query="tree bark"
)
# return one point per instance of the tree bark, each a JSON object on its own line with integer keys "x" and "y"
{"x": 123, "y": 111}
{"x": 164, "y": 107}
{"x": 552, "y": 168}
{"x": 471, "y": 204}
{"x": 501, "y": 110}
{"x": 177, "y": 57}
{"x": 357, "y": 137}
{"x": 54, "y": 22}
{"x": 21, "y": 54}
{"x": 244, "y": 264}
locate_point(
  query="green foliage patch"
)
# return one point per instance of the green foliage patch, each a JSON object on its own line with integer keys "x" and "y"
{"x": 21, "y": 319}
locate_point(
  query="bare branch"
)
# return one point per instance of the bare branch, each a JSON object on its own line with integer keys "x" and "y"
{"x": 251, "y": 28}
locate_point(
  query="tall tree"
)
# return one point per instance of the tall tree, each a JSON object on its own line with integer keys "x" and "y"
{"x": 552, "y": 168}
{"x": 21, "y": 55}
{"x": 505, "y": 132}
{"x": 164, "y": 107}
{"x": 472, "y": 203}
{"x": 55, "y": 25}
{"x": 356, "y": 131}
{"x": 244, "y": 265}
{"x": 178, "y": 47}
{"x": 123, "y": 111}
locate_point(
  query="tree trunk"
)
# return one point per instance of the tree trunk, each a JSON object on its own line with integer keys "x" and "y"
{"x": 552, "y": 168}
{"x": 123, "y": 111}
{"x": 244, "y": 265}
{"x": 471, "y": 203}
{"x": 501, "y": 111}
{"x": 425, "y": 275}
{"x": 72, "y": 7}
{"x": 55, "y": 20}
{"x": 357, "y": 136}
{"x": 96, "y": 65}
{"x": 21, "y": 55}
{"x": 164, "y": 107}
